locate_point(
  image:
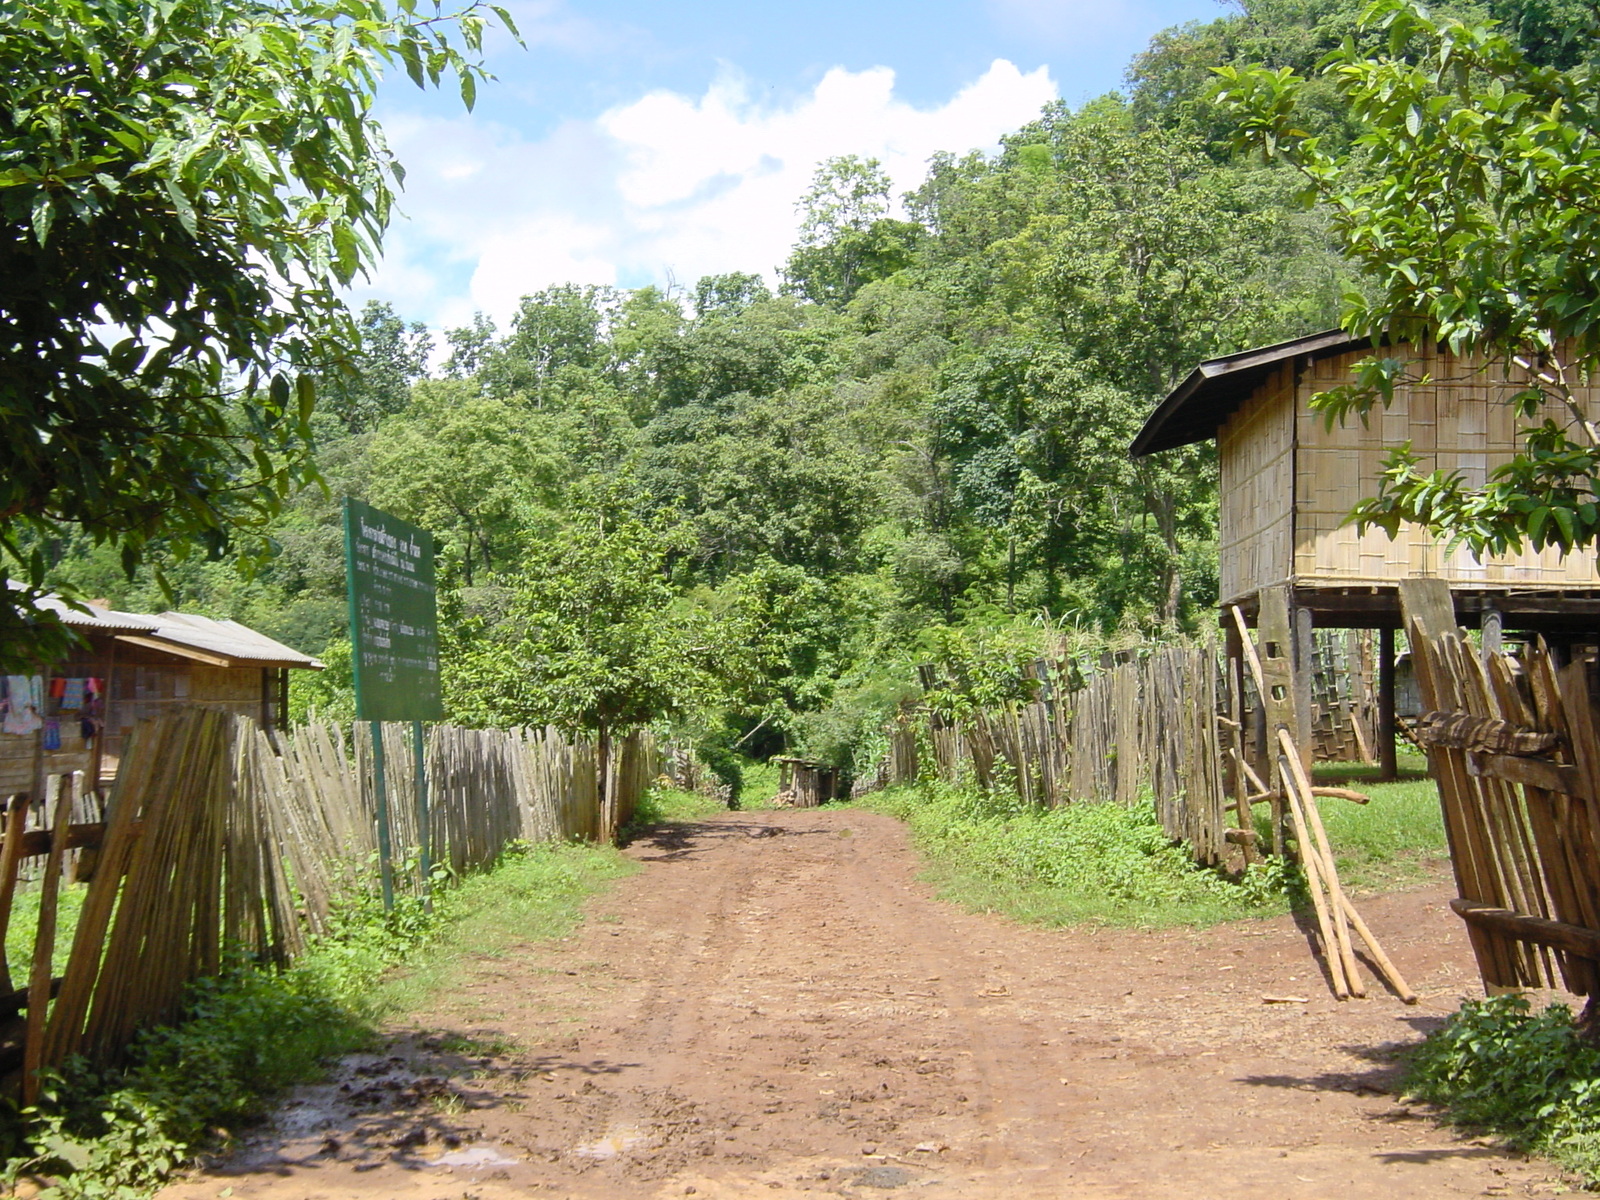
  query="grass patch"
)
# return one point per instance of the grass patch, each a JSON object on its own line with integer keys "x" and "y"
{"x": 255, "y": 1030}
{"x": 1099, "y": 863}
{"x": 1498, "y": 1066}
{"x": 1395, "y": 841}
{"x": 1409, "y": 767}
{"x": 25, "y": 920}
{"x": 1113, "y": 865}
{"x": 535, "y": 894}
{"x": 669, "y": 806}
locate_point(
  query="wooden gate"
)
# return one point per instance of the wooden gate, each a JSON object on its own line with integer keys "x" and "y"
{"x": 1518, "y": 767}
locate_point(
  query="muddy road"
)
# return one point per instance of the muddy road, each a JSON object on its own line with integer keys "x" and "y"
{"x": 776, "y": 1006}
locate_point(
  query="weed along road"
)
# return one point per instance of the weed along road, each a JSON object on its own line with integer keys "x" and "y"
{"x": 775, "y": 1005}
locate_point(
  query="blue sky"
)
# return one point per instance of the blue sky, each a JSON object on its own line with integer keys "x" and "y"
{"x": 637, "y": 142}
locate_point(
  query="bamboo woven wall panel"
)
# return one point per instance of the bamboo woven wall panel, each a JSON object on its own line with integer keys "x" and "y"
{"x": 1255, "y": 452}
{"x": 1456, "y": 422}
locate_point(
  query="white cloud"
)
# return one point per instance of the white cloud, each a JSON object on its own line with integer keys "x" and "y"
{"x": 668, "y": 186}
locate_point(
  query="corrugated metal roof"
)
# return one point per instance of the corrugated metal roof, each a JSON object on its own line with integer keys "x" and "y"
{"x": 108, "y": 619}
{"x": 181, "y": 631}
{"x": 227, "y": 639}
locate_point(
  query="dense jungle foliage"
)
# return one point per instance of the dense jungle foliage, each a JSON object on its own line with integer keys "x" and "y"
{"x": 751, "y": 509}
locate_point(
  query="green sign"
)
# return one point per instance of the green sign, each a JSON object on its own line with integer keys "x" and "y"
{"x": 394, "y": 621}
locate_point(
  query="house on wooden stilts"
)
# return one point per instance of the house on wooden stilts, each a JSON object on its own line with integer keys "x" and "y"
{"x": 1291, "y": 562}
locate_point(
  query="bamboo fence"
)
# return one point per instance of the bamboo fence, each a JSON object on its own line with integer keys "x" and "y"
{"x": 1145, "y": 726}
{"x": 1163, "y": 723}
{"x": 218, "y": 838}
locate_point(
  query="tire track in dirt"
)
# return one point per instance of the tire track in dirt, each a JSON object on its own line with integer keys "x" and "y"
{"x": 776, "y": 1006}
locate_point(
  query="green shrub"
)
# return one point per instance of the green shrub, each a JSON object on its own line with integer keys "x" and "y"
{"x": 1500, "y": 1066}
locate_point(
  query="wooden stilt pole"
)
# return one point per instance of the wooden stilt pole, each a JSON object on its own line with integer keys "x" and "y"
{"x": 1388, "y": 769}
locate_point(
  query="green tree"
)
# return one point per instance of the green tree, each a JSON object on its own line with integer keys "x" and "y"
{"x": 779, "y": 476}
{"x": 1476, "y": 218}
{"x": 595, "y": 640}
{"x": 555, "y": 331}
{"x": 484, "y": 475}
{"x": 393, "y": 356}
{"x": 847, "y": 238}
{"x": 184, "y": 188}
{"x": 736, "y": 290}
{"x": 1092, "y": 264}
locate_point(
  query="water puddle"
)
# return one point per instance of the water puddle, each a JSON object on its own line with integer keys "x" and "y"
{"x": 618, "y": 1141}
{"x": 473, "y": 1156}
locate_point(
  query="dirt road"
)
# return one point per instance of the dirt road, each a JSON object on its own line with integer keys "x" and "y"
{"x": 776, "y": 1006}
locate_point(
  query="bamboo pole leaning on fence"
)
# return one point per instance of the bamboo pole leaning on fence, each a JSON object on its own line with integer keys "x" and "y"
{"x": 1302, "y": 797}
{"x": 1317, "y": 856}
{"x": 1309, "y": 861}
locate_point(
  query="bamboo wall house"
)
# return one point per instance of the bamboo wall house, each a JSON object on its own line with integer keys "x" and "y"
{"x": 75, "y": 716}
{"x": 1288, "y": 482}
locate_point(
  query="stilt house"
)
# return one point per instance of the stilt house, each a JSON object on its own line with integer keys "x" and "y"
{"x": 1288, "y": 483}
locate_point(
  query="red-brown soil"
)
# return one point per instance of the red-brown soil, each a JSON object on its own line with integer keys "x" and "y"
{"x": 776, "y": 1005}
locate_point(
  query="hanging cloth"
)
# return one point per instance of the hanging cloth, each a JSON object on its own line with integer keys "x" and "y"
{"x": 22, "y": 717}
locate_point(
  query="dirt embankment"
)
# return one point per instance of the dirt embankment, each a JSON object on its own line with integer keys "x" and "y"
{"x": 775, "y": 1006}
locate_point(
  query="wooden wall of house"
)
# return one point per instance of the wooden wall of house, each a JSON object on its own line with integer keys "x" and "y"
{"x": 1255, "y": 451}
{"x": 147, "y": 683}
{"x": 1457, "y": 422}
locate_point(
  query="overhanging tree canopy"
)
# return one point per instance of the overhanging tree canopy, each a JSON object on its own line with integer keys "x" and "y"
{"x": 184, "y": 187}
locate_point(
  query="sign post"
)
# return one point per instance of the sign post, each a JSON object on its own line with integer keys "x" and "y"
{"x": 394, "y": 641}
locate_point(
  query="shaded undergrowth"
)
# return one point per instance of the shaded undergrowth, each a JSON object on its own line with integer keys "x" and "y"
{"x": 668, "y": 806}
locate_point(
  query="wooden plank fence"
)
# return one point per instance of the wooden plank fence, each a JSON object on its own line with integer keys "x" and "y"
{"x": 218, "y": 836}
{"x": 1516, "y": 756}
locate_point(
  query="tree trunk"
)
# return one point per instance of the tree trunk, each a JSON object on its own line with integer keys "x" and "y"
{"x": 608, "y": 816}
{"x": 1011, "y": 572}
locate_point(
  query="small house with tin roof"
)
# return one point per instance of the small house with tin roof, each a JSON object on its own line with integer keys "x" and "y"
{"x": 77, "y": 715}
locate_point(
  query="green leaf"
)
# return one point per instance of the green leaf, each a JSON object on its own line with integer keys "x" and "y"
{"x": 44, "y": 215}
